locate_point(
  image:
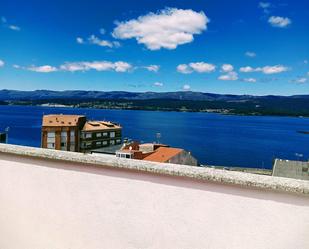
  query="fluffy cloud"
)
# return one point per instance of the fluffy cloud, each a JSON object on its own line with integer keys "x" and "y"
{"x": 5, "y": 24}
{"x": 274, "y": 69}
{"x": 186, "y": 87}
{"x": 42, "y": 69}
{"x": 97, "y": 41}
{"x": 152, "y": 68}
{"x": 251, "y": 80}
{"x": 14, "y": 27}
{"x": 229, "y": 76}
{"x": 166, "y": 29}
{"x": 1, "y": 63}
{"x": 159, "y": 84}
{"x": 184, "y": 68}
{"x": 300, "y": 80}
{"x": 250, "y": 54}
{"x": 279, "y": 22}
{"x": 118, "y": 66}
{"x": 200, "y": 67}
{"x": 227, "y": 68}
{"x": 79, "y": 40}
{"x": 266, "y": 70}
{"x": 264, "y": 5}
{"x": 103, "y": 43}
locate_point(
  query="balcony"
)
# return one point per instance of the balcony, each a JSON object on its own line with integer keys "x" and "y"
{"x": 55, "y": 199}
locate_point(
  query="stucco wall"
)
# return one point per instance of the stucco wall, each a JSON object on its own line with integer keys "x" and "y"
{"x": 61, "y": 205}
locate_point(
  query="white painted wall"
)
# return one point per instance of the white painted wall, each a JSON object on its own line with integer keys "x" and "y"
{"x": 54, "y": 205}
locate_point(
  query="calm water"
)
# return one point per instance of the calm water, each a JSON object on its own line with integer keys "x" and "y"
{"x": 214, "y": 139}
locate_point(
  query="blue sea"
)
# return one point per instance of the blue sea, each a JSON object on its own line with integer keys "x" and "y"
{"x": 214, "y": 139}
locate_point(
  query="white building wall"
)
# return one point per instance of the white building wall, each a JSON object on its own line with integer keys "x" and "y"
{"x": 47, "y": 204}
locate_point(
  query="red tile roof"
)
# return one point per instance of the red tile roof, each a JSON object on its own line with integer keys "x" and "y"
{"x": 163, "y": 154}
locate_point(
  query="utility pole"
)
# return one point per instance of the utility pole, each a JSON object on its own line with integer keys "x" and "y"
{"x": 7, "y": 129}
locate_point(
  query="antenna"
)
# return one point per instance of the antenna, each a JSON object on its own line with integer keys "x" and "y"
{"x": 158, "y": 136}
{"x": 7, "y": 129}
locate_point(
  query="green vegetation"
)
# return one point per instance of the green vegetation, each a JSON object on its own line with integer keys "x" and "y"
{"x": 258, "y": 106}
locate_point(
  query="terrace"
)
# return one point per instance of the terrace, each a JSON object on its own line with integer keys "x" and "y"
{"x": 55, "y": 199}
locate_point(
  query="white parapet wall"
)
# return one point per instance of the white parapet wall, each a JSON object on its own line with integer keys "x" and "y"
{"x": 64, "y": 200}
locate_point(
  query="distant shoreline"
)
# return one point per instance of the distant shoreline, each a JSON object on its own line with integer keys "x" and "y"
{"x": 162, "y": 109}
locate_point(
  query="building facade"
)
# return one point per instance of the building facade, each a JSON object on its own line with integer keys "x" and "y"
{"x": 157, "y": 153}
{"x": 98, "y": 134}
{"x": 75, "y": 133}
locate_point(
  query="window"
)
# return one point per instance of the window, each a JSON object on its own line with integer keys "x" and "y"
{"x": 64, "y": 134}
{"x": 128, "y": 156}
{"x": 50, "y": 140}
{"x": 99, "y": 143}
{"x": 105, "y": 134}
{"x": 112, "y": 134}
{"x": 51, "y": 145}
{"x": 51, "y": 134}
{"x": 72, "y": 133}
{"x": 104, "y": 142}
{"x": 99, "y": 134}
{"x": 112, "y": 142}
{"x": 88, "y": 135}
{"x": 118, "y": 141}
{"x": 72, "y": 147}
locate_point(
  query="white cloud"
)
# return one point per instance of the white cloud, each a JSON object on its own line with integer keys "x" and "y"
{"x": 1, "y": 63}
{"x": 186, "y": 87}
{"x": 79, "y": 40}
{"x": 152, "y": 68}
{"x": 14, "y": 27}
{"x": 42, "y": 69}
{"x": 305, "y": 61}
{"x": 274, "y": 69}
{"x": 200, "y": 67}
{"x": 97, "y": 41}
{"x": 184, "y": 68}
{"x": 266, "y": 70}
{"x": 159, "y": 84}
{"x": 229, "y": 76}
{"x": 247, "y": 69}
{"x": 5, "y": 24}
{"x": 251, "y": 80}
{"x": 301, "y": 80}
{"x": 308, "y": 73}
{"x": 250, "y": 54}
{"x": 279, "y": 22}
{"x": 103, "y": 43}
{"x": 118, "y": 66}
{"x": 264, "y": 5}
{"x": 227, "y": 68}
{"x": 102, "y": 31}
{"x": 166, "y": 29}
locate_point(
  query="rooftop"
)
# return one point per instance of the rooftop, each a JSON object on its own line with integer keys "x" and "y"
{"x": 291, "y": 169}
{"x": 100, "y": 125}
{"x": 61, "y": 120}
{"x": 163, "y": 154}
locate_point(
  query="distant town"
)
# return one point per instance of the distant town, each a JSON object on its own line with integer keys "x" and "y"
{"x": 183, "y": 101}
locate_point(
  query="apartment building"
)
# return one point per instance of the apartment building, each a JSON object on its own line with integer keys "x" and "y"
{"x": 75, "y": 133}
{"x": 156, "y": 153}
{"x": 98, "y": 134}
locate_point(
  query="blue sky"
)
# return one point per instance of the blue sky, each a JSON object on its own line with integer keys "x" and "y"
{"x": 219, "y": 46}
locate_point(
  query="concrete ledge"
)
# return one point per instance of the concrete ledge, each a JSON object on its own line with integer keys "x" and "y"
{"x": 206, "y": 174}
